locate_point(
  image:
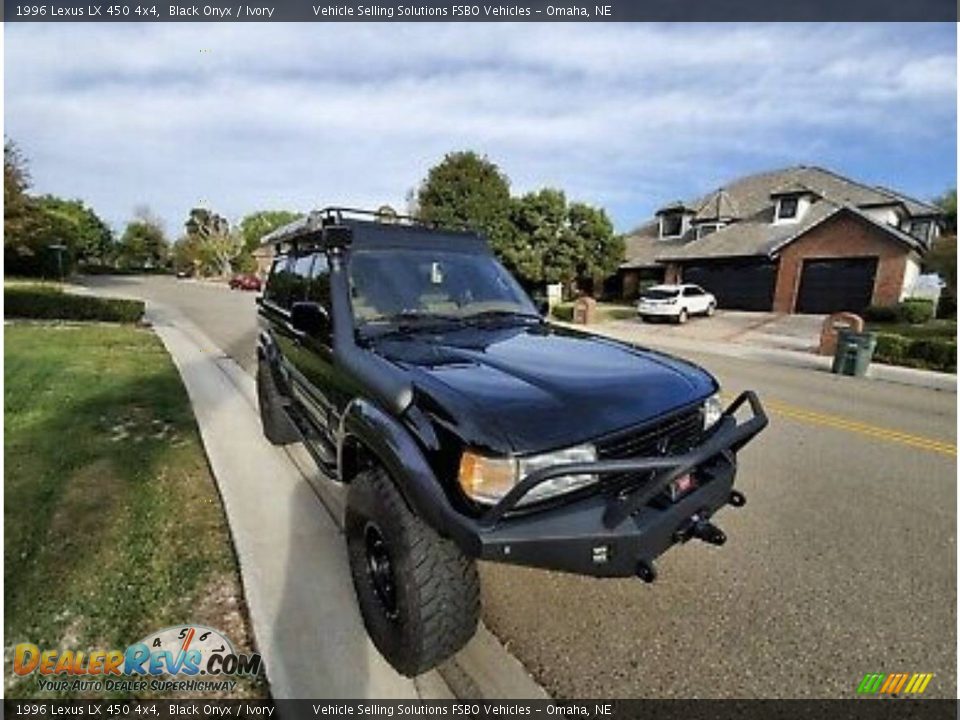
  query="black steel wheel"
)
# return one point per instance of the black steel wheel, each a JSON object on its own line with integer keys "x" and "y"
{"x": 418, "y": 594}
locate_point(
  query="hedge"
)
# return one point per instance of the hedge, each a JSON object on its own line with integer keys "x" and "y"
{"x": 928, "y": 353}
{"x": 915, "y": 311}
{"x": 51, "y": 304}
{"x": 891, "y": 348}
{"x": 564, "y": 313}
{"x": 934, "y": 353}
{"x": 882, "y": 314}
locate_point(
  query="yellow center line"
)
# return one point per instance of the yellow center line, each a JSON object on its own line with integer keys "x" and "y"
{"x": 850, "y": 425}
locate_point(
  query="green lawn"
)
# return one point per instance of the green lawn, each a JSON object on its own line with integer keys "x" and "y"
{"x": 931, "y": 329}
{"x": 113, "y": 525}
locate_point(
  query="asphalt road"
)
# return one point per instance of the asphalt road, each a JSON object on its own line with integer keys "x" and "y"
{"x": 842, "y": 563}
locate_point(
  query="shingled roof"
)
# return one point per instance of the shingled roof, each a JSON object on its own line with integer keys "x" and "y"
{"x": 748, "y": 206}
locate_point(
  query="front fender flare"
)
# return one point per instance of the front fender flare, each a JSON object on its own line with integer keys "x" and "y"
{"x": 400, "y": 456}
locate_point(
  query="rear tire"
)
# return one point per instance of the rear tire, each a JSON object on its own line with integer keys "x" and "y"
{"x": 419, "y": 595}
{"x": 277, "y": 425}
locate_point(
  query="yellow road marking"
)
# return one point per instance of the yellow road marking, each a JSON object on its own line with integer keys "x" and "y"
{"x": 850, "y": 425}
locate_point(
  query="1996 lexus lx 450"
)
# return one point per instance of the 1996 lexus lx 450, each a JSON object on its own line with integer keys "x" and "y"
{"x": 420, "y": 375}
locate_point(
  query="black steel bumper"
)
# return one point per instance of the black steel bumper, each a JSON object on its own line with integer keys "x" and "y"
{"x": 621, "y": 535}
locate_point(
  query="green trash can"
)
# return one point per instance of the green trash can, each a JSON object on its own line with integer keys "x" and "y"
{"x": 854, "y": 352}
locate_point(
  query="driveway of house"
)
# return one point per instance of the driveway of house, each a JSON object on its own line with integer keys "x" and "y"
{"x": 759, "y": 329}
{"x": 842, "y": 562}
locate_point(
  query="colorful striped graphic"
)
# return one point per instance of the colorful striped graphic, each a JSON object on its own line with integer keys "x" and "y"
{"x": 894, "y": 683}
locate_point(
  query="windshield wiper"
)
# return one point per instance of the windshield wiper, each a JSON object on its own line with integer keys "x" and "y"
{"x": 408, "y": 321}
{"x": 501, "y": 314}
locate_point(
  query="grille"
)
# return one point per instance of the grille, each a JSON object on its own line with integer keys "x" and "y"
{"x": 673, "y": 436}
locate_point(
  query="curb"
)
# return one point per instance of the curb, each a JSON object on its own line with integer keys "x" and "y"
{"x": 484, "y": 669}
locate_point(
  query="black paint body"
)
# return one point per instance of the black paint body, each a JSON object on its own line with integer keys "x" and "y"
{"x": 415, "y": 401}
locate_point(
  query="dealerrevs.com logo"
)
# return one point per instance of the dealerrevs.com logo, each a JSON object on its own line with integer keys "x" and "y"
{"x": 182, "y": 658}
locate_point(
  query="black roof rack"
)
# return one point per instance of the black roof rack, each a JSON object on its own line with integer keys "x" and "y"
{"x": 329, "y": 226}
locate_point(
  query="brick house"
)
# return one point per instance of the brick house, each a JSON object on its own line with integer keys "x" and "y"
{"x": 802, "y": 239}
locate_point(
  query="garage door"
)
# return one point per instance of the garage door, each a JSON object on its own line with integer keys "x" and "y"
{"x": 828, "y": 286}
{"x": 738, "y": 284}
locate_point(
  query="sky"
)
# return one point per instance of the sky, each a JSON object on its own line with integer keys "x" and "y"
{"x": 245, "y": 117}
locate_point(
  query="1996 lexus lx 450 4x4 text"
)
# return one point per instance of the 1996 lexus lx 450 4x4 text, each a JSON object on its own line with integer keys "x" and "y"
{"x": 464, "y": 426}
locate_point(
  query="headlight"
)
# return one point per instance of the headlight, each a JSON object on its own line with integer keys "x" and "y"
{"x": 712, "y": 410}
{"x": 487, "y": 480}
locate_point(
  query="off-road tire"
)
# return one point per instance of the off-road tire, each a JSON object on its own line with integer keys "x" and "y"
{"x": 277, "y": 425}
{"x": 682, "y": 316}
{"x": 437, "y": 590}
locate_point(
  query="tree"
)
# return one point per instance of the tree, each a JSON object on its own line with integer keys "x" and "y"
{"x": 948, "y": 204}
{"x": 143, "y": 243}
{"x": 942, "y": 256}
{"x": 83, "y": 232}
{"x": 18, "y": 208}
{"x": 602, "y": 249}
{"x": 208, "y": 243}
{"x": 541, "y": 249}
{"x": 254, "y": 226}
{"x": 466, "y": 190}
{"x": 557, "y": 242}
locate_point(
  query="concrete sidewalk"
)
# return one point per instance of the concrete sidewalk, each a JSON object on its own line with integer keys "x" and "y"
{"x": 292, "y": 555}
{"x": 627, "y": 331}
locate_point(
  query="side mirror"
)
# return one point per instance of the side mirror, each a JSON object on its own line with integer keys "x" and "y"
{"x": 543, "y": 306}
{"x": 310, "y": 318}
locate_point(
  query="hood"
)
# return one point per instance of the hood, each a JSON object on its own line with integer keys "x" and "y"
{"x": 541, "y": 387}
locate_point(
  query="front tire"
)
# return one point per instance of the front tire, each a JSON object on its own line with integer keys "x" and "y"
{"x": 419, "y": 595}
{"x": 711, "y": 309}
{"x": 682, "y": 316}
{"x": 277, "y": 426}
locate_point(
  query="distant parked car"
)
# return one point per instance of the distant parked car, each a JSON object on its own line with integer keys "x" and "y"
{"x": 245, "y": 281}
{"x": 183, "y": 274}
{"x": 675, "y": 302}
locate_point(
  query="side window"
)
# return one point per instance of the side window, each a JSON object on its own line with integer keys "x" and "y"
{"x": 318, "y": 288}
{"x": 692, "y": 292}
{"x": 300, "y": 272}
{"x": 278, "y": 286}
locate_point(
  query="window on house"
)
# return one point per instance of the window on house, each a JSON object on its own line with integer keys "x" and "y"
{"x": 787, "y": 209}
{"x": 920, "y": 229}
{"x": 671, "y": 225}
{"x": 707, "y": 229}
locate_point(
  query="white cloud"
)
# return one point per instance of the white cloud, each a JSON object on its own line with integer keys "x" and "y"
{"x": 246, "y": 116}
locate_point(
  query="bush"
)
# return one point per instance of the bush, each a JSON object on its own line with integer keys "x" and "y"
{"x": 882, "y": 314}
{"x": 891, "y": 348}
{"x": 51, "y": 304}
{"x": 934, "y": 353}
{"x": 563, "y": 312}
{"x": 917, "y": 311}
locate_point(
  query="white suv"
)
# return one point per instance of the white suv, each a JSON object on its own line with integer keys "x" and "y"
{"x": 676, "y": 302}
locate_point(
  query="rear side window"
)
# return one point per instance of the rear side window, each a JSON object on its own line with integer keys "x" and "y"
{"x": 288, "y": 280}
{"x": 301, "y": 277}
{"x": 318, "y": 288}
{"x": 280, "y": 282}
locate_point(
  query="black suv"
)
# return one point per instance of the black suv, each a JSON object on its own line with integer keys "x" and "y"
{"x": 418, "y": 372}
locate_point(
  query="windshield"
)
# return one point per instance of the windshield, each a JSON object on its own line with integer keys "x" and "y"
{"x": 392, "y": 285}
{"x": 658, "y": 294}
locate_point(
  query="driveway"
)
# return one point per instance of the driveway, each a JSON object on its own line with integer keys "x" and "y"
{"x": 760, "y": 329}
{"x": 842, "y": 563}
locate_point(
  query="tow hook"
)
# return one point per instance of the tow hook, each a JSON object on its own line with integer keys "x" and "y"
{"x": 709, "y": 533}
{"x": 702, "y": 529}
{"x": 646, "y": 571}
